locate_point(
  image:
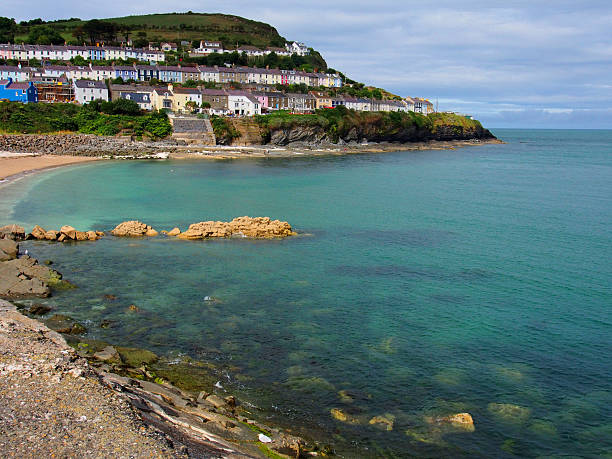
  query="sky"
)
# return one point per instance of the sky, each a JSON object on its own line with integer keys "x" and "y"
{"x": 538, "y": 64}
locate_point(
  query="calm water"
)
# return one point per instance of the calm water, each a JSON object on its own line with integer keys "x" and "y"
{"x": 427, "y": 283}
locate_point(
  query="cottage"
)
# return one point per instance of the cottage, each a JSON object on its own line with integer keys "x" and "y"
{"x": 209, "y": 47}
{"x": 217, "y": 99}
{"x": 243, "y": 103}
{"x": 166, "y": 47}
{"x": 85, "y": 91}
{"x": 18, "y": 92}
{"x": 183, "y": 97}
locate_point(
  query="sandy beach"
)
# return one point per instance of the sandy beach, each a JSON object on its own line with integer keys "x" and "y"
{"x": 18, "y": 163}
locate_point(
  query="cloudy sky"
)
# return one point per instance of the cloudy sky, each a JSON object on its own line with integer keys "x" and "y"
{"x": 537, "y": 63}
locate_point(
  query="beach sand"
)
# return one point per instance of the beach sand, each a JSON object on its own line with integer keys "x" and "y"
{"x": 17, "y": 163}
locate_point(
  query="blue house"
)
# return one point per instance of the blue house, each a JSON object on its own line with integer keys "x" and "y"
{"x": 18, "y": 92}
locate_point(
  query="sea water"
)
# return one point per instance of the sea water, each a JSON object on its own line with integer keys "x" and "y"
{"x": 422, "y": 284}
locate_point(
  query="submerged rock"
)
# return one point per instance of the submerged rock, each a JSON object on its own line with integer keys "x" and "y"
{"x": 342, "y": 416}
{"x": 39, "y": 309}
{"x": 385, "y": 421}
{"x": 133, "y": 228}
{"x": 461, "y": 420}
{"x": 65, "y": 324}
{"x": 135, "y": 357}
{"x": 509, "y": 412}
{"x": 108, "y": 354}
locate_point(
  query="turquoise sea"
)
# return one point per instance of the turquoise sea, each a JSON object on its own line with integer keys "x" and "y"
{"x": 423, "y": 283}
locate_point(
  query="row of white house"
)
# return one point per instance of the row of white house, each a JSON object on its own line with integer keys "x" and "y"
{"x": 174, "y": 74}
{"x": 212, "y": 47}
{"x": 66, "y": 52}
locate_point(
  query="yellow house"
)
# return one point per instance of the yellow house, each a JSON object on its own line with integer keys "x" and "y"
{"x": 163, "y": 98}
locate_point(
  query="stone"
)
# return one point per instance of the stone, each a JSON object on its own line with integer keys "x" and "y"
{"x": 135, "y": 357}
{"x": 92, "y": 236}
{"x": 231, "y": 401}
{"x": 343, "y": 416}
{"x": 133, "y": 308}
{"x": 64, "y": 324}
{"x": 110, "y": 297}
{"x": 202, "y": 396}
{"x": 509, "y": 412}
{"x": 174, "y": 232}
{"x": 133, "y": 228}
{"x": 81, "y": 236}
{"x": 39, "y": 309}
{"x": 52, "y": 235}
{"x": 14, "y": 232}
{"x": 8, "y": 249}
{"x": 108, "y": 354}
{"x": 38, "y": 233}
{"x": 462, "y": 421}
{"x": 68, "y": 231}
{"x": 99, "y": 233}
{"x": 62, "y": 238}
{"x": 385, "y": 421}
{"x": 216, "y": 401}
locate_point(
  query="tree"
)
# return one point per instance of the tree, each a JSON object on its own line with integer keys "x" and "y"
{"x": 192, "y": 106}
{"x": 78, "y": 60}
{"x": 45, "y": 35}
{"x": 8, "y": 27}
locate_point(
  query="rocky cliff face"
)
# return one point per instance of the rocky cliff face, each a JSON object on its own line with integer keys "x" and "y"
{"x": 370, "y": 133}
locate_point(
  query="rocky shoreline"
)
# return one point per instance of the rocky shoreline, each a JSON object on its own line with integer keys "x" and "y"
{"x": 85, "y": 145}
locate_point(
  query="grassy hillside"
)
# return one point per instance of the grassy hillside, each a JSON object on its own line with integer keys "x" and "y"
{"x": 230, "y": 30}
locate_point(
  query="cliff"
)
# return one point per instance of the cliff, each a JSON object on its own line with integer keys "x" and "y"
{"x": 342, "y": 126}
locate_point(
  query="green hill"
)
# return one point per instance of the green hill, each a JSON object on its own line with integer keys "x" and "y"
{"x": 228, "y": 29}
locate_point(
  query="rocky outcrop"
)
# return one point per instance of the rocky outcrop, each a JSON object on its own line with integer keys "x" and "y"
{"x": 133, "y": 228}
{"x": 65, "y": 234}
{"x": 259, "y": 227}
{"x": 24, "y": 277}
{"x": 14, "y": 232}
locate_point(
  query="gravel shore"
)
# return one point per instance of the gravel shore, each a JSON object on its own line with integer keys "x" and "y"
{"x": 53, "y": 405}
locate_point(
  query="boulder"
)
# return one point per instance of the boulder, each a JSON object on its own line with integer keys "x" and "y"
{"x": 52, "y": 235}
{"x": 81, "y": 236}
{"x": 92, "y": 236}
{"x": 133, "y": 228}
{"x": 64, "y": 324}
{"x": 14, "y": 232}
{"x": 38, "y": 233}
{"x": 19, "y": 279}
{"x": 216, "y": 401}
{"x": 108, "y": 354}
{"x": 174, "y": 232}
{"x": 69, "y": 232}
{"x": 343, "y": 416}
{"x": 38, "y": 309}
{"x": 509, "y": 412}
{"x": 462, "y": 421}
{"x": 99, "y": 233}
{"x": 8, "y": 249}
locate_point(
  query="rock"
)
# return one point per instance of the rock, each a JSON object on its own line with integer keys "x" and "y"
{"x": 52, "y": 235}
{"x": 108, "y": 354}
{"x": 19, "y": 278}
{"x": 133, "y": 228}
{"x": 133, "y": 308}
{"x": 202, "y": 396}
{"x": 341, "y": 415}
{"x": 231, "y": 401}
{"x": 509, "y": 412}
{"x": 259, "y": 227}
{"x": 92, "y": 236}
{"x": 385, "y": 421}
{"x": 463, "y": 421}
{"x": 62, "y": 238}
{"x": 110, "y": 297}
{"x": 106, "y": 323}
{"x": 135, "y": 357}
{"x": 81, "y": 236}
{"x": 38, "y": 233}
{"x": 39, "y": 309}
{"x": 216, "y": 401}
{"x": 69, "y": 232}
{"x": 8, "y": 249}
{"x": 14, "y": 232}
{"x": 64, "y": 324}
{"x": 99, "y": 233}
{"x": 174, "y": 232}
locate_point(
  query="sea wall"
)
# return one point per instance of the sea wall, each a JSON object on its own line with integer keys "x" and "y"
{"x": 81, "y": 145}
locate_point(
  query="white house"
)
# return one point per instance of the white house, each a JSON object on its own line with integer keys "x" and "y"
{"x": 85, "y": 91}
{"x": 243, "y": 103}
{"x": 298, "y": 48}
{"x": 209, "y": 47}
